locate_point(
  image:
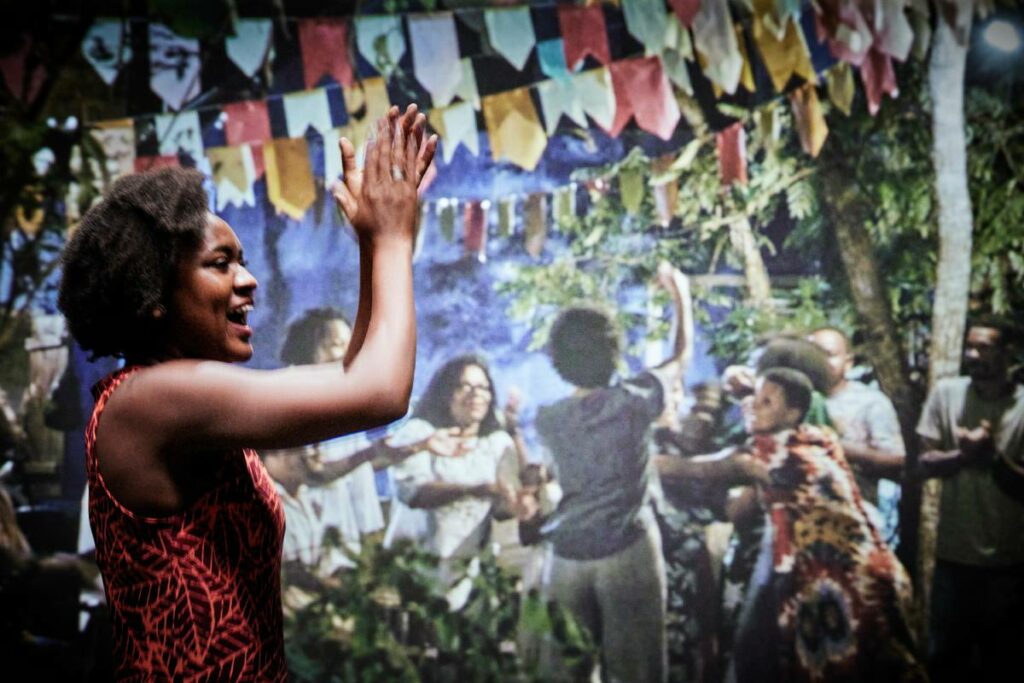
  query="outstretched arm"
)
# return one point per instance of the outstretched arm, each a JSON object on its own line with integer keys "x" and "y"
{"x": 678, "y": 286}
{"x": 348, "y": 194}
{"x": 730, "y": 466}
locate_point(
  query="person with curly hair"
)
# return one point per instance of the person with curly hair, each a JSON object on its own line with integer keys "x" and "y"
{"x": 187, "y": 524}
{"x": 605, "y": 561}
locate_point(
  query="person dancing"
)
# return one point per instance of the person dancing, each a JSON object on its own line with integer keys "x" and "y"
{"x": 187, "y": 524}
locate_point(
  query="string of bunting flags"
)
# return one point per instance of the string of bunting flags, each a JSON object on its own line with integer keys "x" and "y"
{"x": 583, "y": 78}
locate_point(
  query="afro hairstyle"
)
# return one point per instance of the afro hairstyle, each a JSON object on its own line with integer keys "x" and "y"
{"x": 119, "y": 266}
{"x": 584, "y": 346}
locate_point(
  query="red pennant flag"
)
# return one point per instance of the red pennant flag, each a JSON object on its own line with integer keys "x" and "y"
{"x": 248, "y": 122}
{"x": 13, "y": 69}
{"x": 732, "y": 154}
{"x": 583, "y": 33}
{"x": 879, "y": 78}
{"x": 324, "y": 45}
{"x": 686, "y": 10}
{"x": 642, "y": 90}
{"x": 474, "y": 228}
{"x": 153, "y": 163}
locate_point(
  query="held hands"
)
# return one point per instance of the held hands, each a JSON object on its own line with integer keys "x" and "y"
{"x": 976, "y": 445}
{"x": 380, "y": 199}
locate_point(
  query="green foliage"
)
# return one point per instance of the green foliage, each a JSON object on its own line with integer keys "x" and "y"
{"x": 812, "y": 303}
{"x": 390, "y": 619}
{"x": 995, "y": 166}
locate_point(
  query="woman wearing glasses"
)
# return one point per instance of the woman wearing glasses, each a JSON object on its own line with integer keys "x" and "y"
{"x": 467, "y": 473}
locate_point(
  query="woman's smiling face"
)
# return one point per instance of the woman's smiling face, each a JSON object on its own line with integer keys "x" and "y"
{"x": 213, "y": 295}
{"x": 472, "y": 397}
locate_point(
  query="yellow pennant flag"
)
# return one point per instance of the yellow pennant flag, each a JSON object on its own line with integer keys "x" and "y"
{"x": 840, "y": 87}
{"x": 809, "y": 119}
{"x": 290, "y": 185}
{"x": 514, "y": 129}
{"x": 786, "y": 56}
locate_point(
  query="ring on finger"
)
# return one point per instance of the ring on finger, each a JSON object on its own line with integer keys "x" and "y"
{"x": 397, "y": 172}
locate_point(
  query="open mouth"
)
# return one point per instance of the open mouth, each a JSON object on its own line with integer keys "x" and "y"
{"x": 240, "y": 315}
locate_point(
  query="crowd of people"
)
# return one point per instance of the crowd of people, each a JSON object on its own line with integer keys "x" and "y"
{"x": 796, "y": 460}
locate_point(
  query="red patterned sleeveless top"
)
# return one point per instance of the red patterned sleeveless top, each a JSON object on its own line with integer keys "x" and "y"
{"x": 195, "y": 596}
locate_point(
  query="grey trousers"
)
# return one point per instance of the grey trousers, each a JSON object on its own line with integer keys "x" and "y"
{"x": 621, "y": 600}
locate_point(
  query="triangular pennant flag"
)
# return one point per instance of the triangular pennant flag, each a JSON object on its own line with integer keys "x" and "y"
{"x": 233, "y": 175}
{"x": 107, "y": 46}
{"x": 365, "y": 103}
{"x": 558, "y": 97}
{"x": 13, "y": 68}
{"x": 535, "y": 216}
{"x": 731, "y": 144}
{"x": 467, "y": 90}
{"x": 631, "y": 190}
{"x": 381, "y": 41}
{"x": 173, "y": 66}
{"x": 878, "y": 76}
{"x": 896, "y": 37}
{"x": 506, "y": 216}
{"x": 686, "y": 10}
{"x": 810, "y": 121}
{"x": 645, "y": 21}
{"x": 853, "y": 37}
{"x": 435, "y": 55}
{"x": 117, "y": 139}
{"x": 510, "y": 32}
{"x": 325, "y": 51}
{"x": 783, "y": 57}
{"x": 474, "y": 228}
{"x": 596, "y": 95}
{"x": 678, "y": 49}
{"x": 714, "y": 38}
{"x": 840, "y": 87}
{"x": 747, "y": 72}
{"x": 551, "y": 54}
{"x": 307, "y": 109}
{"x": 246, "y": 121}
{"x": 642, "y": 91}
{"x": 250, "y": 46}
{"x": 290, "y": 185}
{"x": 456, "y": 125}
{"x": 446, "y": 218}
{"x": 177, "y": 133}
{"x": 583, "y": 34}
{"x": 514, "y": 129}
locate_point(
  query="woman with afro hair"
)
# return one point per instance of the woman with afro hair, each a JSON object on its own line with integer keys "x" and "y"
{"x": 187, "y": 524}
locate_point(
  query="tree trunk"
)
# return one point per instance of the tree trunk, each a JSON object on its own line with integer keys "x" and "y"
{"x": 741, "y": 235}
{"x": 849, "y": 215}
{"x": 953, "y": 276}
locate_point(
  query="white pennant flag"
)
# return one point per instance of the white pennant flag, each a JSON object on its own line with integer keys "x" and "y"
{"x": 107, "y": 46}
{"x": 173, "y": 66}
{"x": 595, "y": 94}
{"x": 510, "y": 31}
{"x": 435, "y": 55}
{"x": 305, "y": 109}
{"x": 332, "y": 155}
{"x": 179, "y": 133}
{"x": 459, "y": 121}
{"x": 381, "y": 41}
{"x": 558, "y": 97}
{"x": 715, "y": 38}
{"x": 250, "y": 45}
